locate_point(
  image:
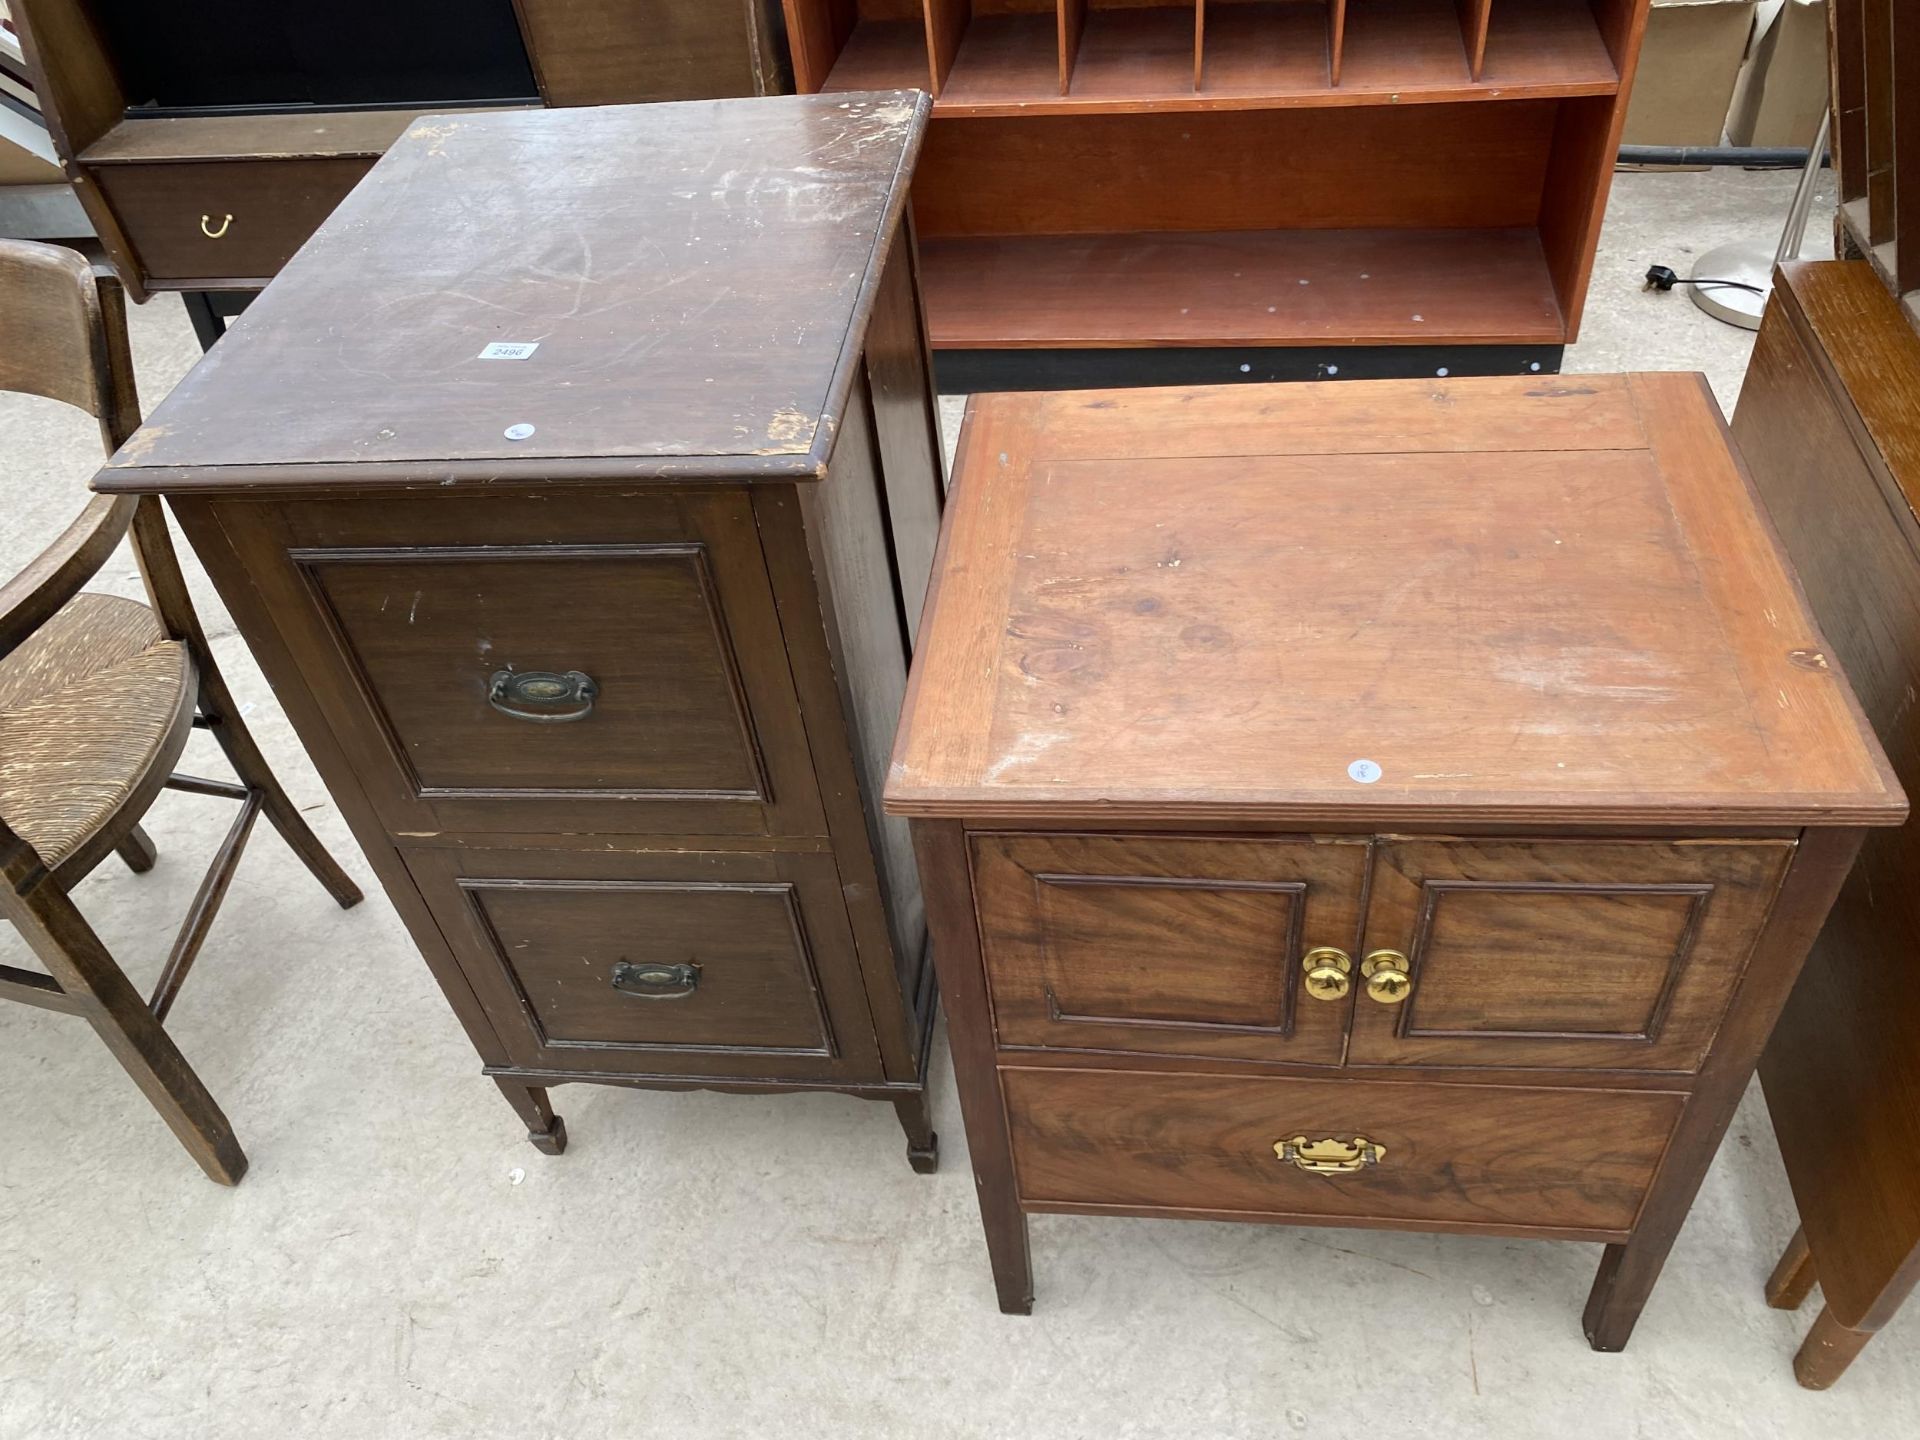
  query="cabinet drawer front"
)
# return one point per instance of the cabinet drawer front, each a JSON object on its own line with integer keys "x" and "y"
{"x": 1575, "y": 1162}
{"x": 225, "y": 220}
{"x": 736, "y": 964}
{"x": 418, "y": 615}
{"x": 1165, "y": 945}
{"x": 1576, "y": 953}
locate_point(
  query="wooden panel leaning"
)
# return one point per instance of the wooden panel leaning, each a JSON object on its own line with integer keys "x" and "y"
{"x": 1830, "y": 423}
{"x": 589, "y": 576}
{"x": 97, "y": 695}
{"x": 1403, "y": 804}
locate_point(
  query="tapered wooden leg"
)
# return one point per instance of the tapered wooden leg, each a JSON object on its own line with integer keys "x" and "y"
{"x": 74, "y": 956}
{"x": 169, "y": 593}
{"x": 940, "y": 850}
{"x": 1793, "y": 1277}
{"x": 916, "y": 1118}
{"x": 546, "y": 1130}
{"x": 1828, "y": 1350}
{"x": 138, "y": 850}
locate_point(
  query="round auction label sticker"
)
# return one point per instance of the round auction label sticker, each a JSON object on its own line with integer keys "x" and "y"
{"x": 1365, "y": 771}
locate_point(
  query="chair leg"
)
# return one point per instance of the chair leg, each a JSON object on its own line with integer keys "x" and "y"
{"x": 546, "y": 1130}
{"x": 206, "y": 903}
{"x": 138, "y": 850}
{"x": 75, "y": 957}
{"x": 1792, "y": 1279}
{"x": 252, "y": 768}
{"x": 1828, "y": 1350}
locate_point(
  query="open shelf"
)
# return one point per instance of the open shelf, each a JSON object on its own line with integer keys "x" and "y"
{"x": 1240, "y": 287}
{"x": 1016, "y": 57}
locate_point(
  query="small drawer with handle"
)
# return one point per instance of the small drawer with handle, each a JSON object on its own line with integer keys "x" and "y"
{"x": 199, "y": 221}
{"x": 1561, "y": 1163}
{"x": 720, "y": 964}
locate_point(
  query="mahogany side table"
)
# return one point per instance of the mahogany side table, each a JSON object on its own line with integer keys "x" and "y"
{"x": 1395, "y": 804}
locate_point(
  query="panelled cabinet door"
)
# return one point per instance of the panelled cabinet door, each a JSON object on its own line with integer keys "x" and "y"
{"x": 1170, "y": 946}
{"x": 556, "y": 663}
{"x": 721, "y": 964}
{"x": 1557, "y": 953}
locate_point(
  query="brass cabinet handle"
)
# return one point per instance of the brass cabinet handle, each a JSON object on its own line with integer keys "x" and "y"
{"x": 1385, "y": 972}
{"x": 1327, "y": 968}
{"x": 1330, "y": 1156}
{"x": 542, "y": 696}
{"x": 655, "y": 982}
{"x": 206, "y": 226}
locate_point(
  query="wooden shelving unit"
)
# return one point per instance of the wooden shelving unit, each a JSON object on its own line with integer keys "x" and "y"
{"x": 1227, "y": 173}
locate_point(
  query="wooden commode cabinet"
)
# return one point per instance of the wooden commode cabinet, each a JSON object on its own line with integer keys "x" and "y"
{"x": 580, "y": 516}
{"x": 1404, "y": 804}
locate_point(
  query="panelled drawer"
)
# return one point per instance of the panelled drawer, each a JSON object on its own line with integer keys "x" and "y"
{"x": 1573, "y": 1162}
{"x": 416, "y": 618}
{"x": 225, "y": 220}
{"x": 671, "y": 963}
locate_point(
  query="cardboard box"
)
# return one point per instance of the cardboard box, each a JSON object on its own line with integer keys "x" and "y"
{"x": 1783, "y": 86}
{"x": 1688, "y": 63}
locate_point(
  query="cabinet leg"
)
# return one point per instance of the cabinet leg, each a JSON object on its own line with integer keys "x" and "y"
{"x": 916, "y": 1118}
{"x": 1828, "y": 1350}
{"x": 1793, "y": 1277}
{"x": 546, "y": 1130}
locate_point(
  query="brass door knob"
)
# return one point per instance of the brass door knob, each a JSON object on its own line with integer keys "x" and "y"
{"x": 1327, "y": 969}
{"x": 1385, "y": 972}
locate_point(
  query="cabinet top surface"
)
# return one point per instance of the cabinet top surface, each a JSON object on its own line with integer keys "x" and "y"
{"x": 695, "y": 279}
{"x": 1531, "y": 600}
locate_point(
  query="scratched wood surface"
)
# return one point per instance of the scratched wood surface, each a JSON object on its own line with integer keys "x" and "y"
{"x": 597, "y": 235}
{"x": 1510, "y": 601}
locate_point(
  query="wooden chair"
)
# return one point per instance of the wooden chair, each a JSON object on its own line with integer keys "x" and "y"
{"x": 97, "y": 695}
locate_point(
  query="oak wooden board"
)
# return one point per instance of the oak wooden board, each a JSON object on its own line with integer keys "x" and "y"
{"x": 1499, "y": 600}
{"x": 589, "y": 233}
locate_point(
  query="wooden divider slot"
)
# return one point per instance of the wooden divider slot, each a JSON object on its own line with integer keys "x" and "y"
{"x": 1473, "y": 32}
{"x": 1073, "y": 25}
{"x": 946, "y": 23}
{"x": 1266, "y": 47}
{"x": 1336, "y": 38}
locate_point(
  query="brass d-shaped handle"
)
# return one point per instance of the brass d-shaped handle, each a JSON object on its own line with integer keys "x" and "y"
{"x": 1385, "y": 972}
{"x": 206, "y": 226}
{"x": 1327, "y": 968}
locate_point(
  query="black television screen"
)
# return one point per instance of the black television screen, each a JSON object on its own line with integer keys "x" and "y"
{"x": 209, "y": 55}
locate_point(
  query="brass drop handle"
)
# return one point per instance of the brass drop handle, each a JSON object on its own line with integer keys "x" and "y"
{"x": 655, "y": 982}
{"x": 206, "y": 226}
{"x": 1330, "y": 1156}
{"x": 1385, "y": 972}
{"x": 542, "y": 696}
{"x": 1327, "y": 969}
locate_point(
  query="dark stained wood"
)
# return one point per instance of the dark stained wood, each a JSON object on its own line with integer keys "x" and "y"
{"x": 1169, "y": 946}
{"x": 1615, "y": 609}
{"x": 609, "y": 262}
{"x": 583, "y": 52}
{"x": 1509, "y": 1160}
{"x": 540, "y": 935}
{"x": 1574, "y": 953}
{"x": 225, "y": 220}
{"x": 745, "y": 630}
{"x": 616, "y": 52}
{"x": 1829, "y": 423}
{"x": 1793, "y": 1278}
{"x": 90, "y": 744}
{"x": 1218, "y": 685}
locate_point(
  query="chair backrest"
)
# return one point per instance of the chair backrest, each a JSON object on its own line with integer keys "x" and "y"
{"x": 63, "y": 335}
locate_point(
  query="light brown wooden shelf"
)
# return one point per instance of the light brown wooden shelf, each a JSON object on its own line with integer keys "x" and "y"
{"x": 1260, "y": 287}
{"x": 291, "y": 135}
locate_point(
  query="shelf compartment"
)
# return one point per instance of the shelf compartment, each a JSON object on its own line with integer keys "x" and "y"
{"x": 1402, "y": 45}
{"x": 1008, "y": 58}
{"x": 1547, "y": 44}
{"x": 1127, "y": 53}
{"x": 1260, "y": 287}
{"x": 1269, "y": 47}
{"x": 882, "y": 55}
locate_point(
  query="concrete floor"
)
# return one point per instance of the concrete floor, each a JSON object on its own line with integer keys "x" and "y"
{"x": 401, "y": 1263}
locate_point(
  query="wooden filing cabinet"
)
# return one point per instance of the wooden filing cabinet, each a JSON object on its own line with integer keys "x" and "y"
{"x": 580, "y": 516}
{"x": 1405, "y": 805}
